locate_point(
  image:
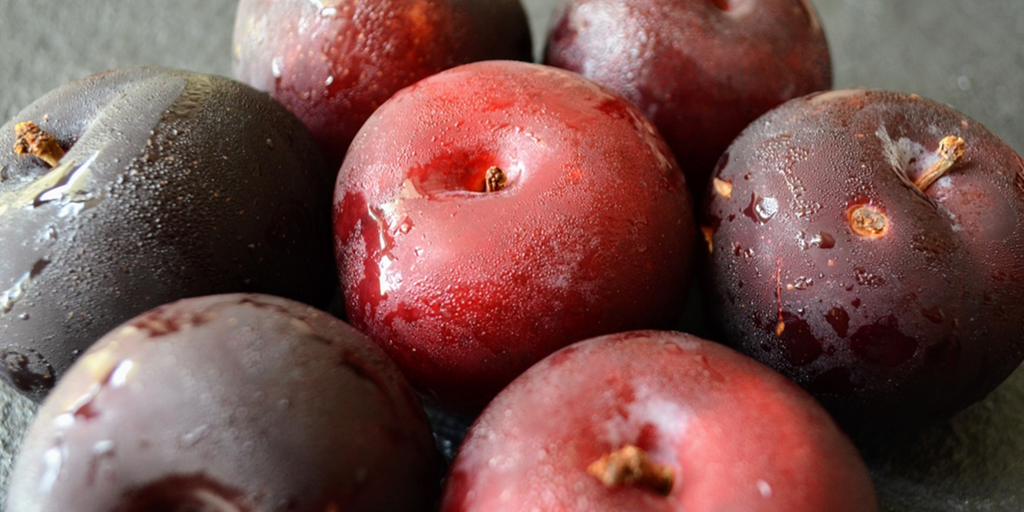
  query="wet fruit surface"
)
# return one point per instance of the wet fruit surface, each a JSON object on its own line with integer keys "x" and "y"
{"x": 231, "y": 403}
{"x": 333, "y": 62}
{"x": 695, "y": 425}
{"x": 588, "y": 229}
{"x": 173, "y": 184}
{"x": 893, "y": 302}
{"x": 700, "y": 69}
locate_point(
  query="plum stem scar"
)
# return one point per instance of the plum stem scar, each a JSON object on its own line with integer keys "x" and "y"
{"x": 33, "y": 140}
{"x": 631, "y": 466}
{"x": 951, "y": 148}
{"x": 495, "y": 179}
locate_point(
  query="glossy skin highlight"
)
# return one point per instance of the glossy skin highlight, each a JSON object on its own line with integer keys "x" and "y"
{"x": 333, "y": 62}
{"x": 736, "y": 435}
{"x": 173, "y": 184}
{"x": 891, "y": 305}
{"x": 700, "y": 69}
{"x": 229, "y": 403}
{"x": 592, "y": 233}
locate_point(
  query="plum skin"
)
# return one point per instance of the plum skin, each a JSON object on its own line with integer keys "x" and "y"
{"x": 253, "y": 400}
{"x": 700, "y": 69}
{"x": 738, "y": 436}
{"x": 179, "y": 184}
{"x": 593, "y": 233}
{"x": 887, "y": 331}
{"x": 334, "y": 62}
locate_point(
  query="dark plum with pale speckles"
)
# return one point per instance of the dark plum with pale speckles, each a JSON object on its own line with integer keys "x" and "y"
{"x": 229, "y": 403}
{"x": 886, "y": 331}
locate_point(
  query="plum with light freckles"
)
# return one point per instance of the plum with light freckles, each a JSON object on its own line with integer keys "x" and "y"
{"x": 229, "y": 403}
{"x": 870, "y": 246}
{"x": 651, "y": 420}
{"x": 333, "y": 62}
{"x": 700, "y": 69}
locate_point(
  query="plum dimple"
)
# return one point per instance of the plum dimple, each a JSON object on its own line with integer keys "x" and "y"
{"x": 915, "y": 226}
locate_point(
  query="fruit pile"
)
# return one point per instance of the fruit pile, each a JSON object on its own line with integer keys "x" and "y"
{"x": 246, "y": 294}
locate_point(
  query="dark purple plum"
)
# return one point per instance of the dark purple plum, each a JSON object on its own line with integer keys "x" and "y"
{"x": 870, "y": 246}
{"x": 702, "y": 70}
{"x": 172, "y": 184}
{"x": 229, "y": 403}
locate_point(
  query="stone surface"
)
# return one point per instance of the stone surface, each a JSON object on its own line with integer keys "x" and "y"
{"x": 969, "y": 55}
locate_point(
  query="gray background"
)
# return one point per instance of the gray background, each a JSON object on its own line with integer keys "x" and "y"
{"x": 968, "y": 54}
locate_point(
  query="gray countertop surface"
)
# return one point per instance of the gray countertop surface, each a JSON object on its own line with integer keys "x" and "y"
{"x": 969, "y": 55}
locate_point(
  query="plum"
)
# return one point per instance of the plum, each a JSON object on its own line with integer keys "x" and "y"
{"x": 700, "y": 69}
{"x": 333, "y": 62}
{"x": 172, "y": 184}
{"x": 870, "y": 245}
{"x": 229, "y": 403}
{"x": 498, "y": 211}
{"x": 660, "y": 421}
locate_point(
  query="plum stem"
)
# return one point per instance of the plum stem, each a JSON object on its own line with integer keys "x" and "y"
{"x": 951, "y": 148}
{"x": 495, "y": 179}
{"x": 32, "y": 139}
{"x": 631, "y": 466}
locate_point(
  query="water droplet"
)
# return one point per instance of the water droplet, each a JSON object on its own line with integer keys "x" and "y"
{"x": 865, "y": 278}
{"x": 839, "y": 319}
{"x": 883, "y": 344}
{"x": 934, "y": 314}
{"x": 119, "y": 376}
{"x": 761, "y": 209}
{"x": 963, "y": 82}
{"x": 823, "y": 240}
{"x": 801, "y": 283}
{"x": 193, "y": 437}
{"x": 103, "y": 447}
{"x": 799, "y": 345}
{"x": 276, "y": 66}
{"x": 53, "y": 459}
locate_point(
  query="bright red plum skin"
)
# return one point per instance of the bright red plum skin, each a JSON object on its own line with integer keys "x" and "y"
{"x": 333, "y": 62}
{"x": 737, "y": 435}
{"x": 466, "y": 289}
{"x": 700, "y": 69}
{"x": 887, "y": 331}
{"x": 233, "y": 403}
